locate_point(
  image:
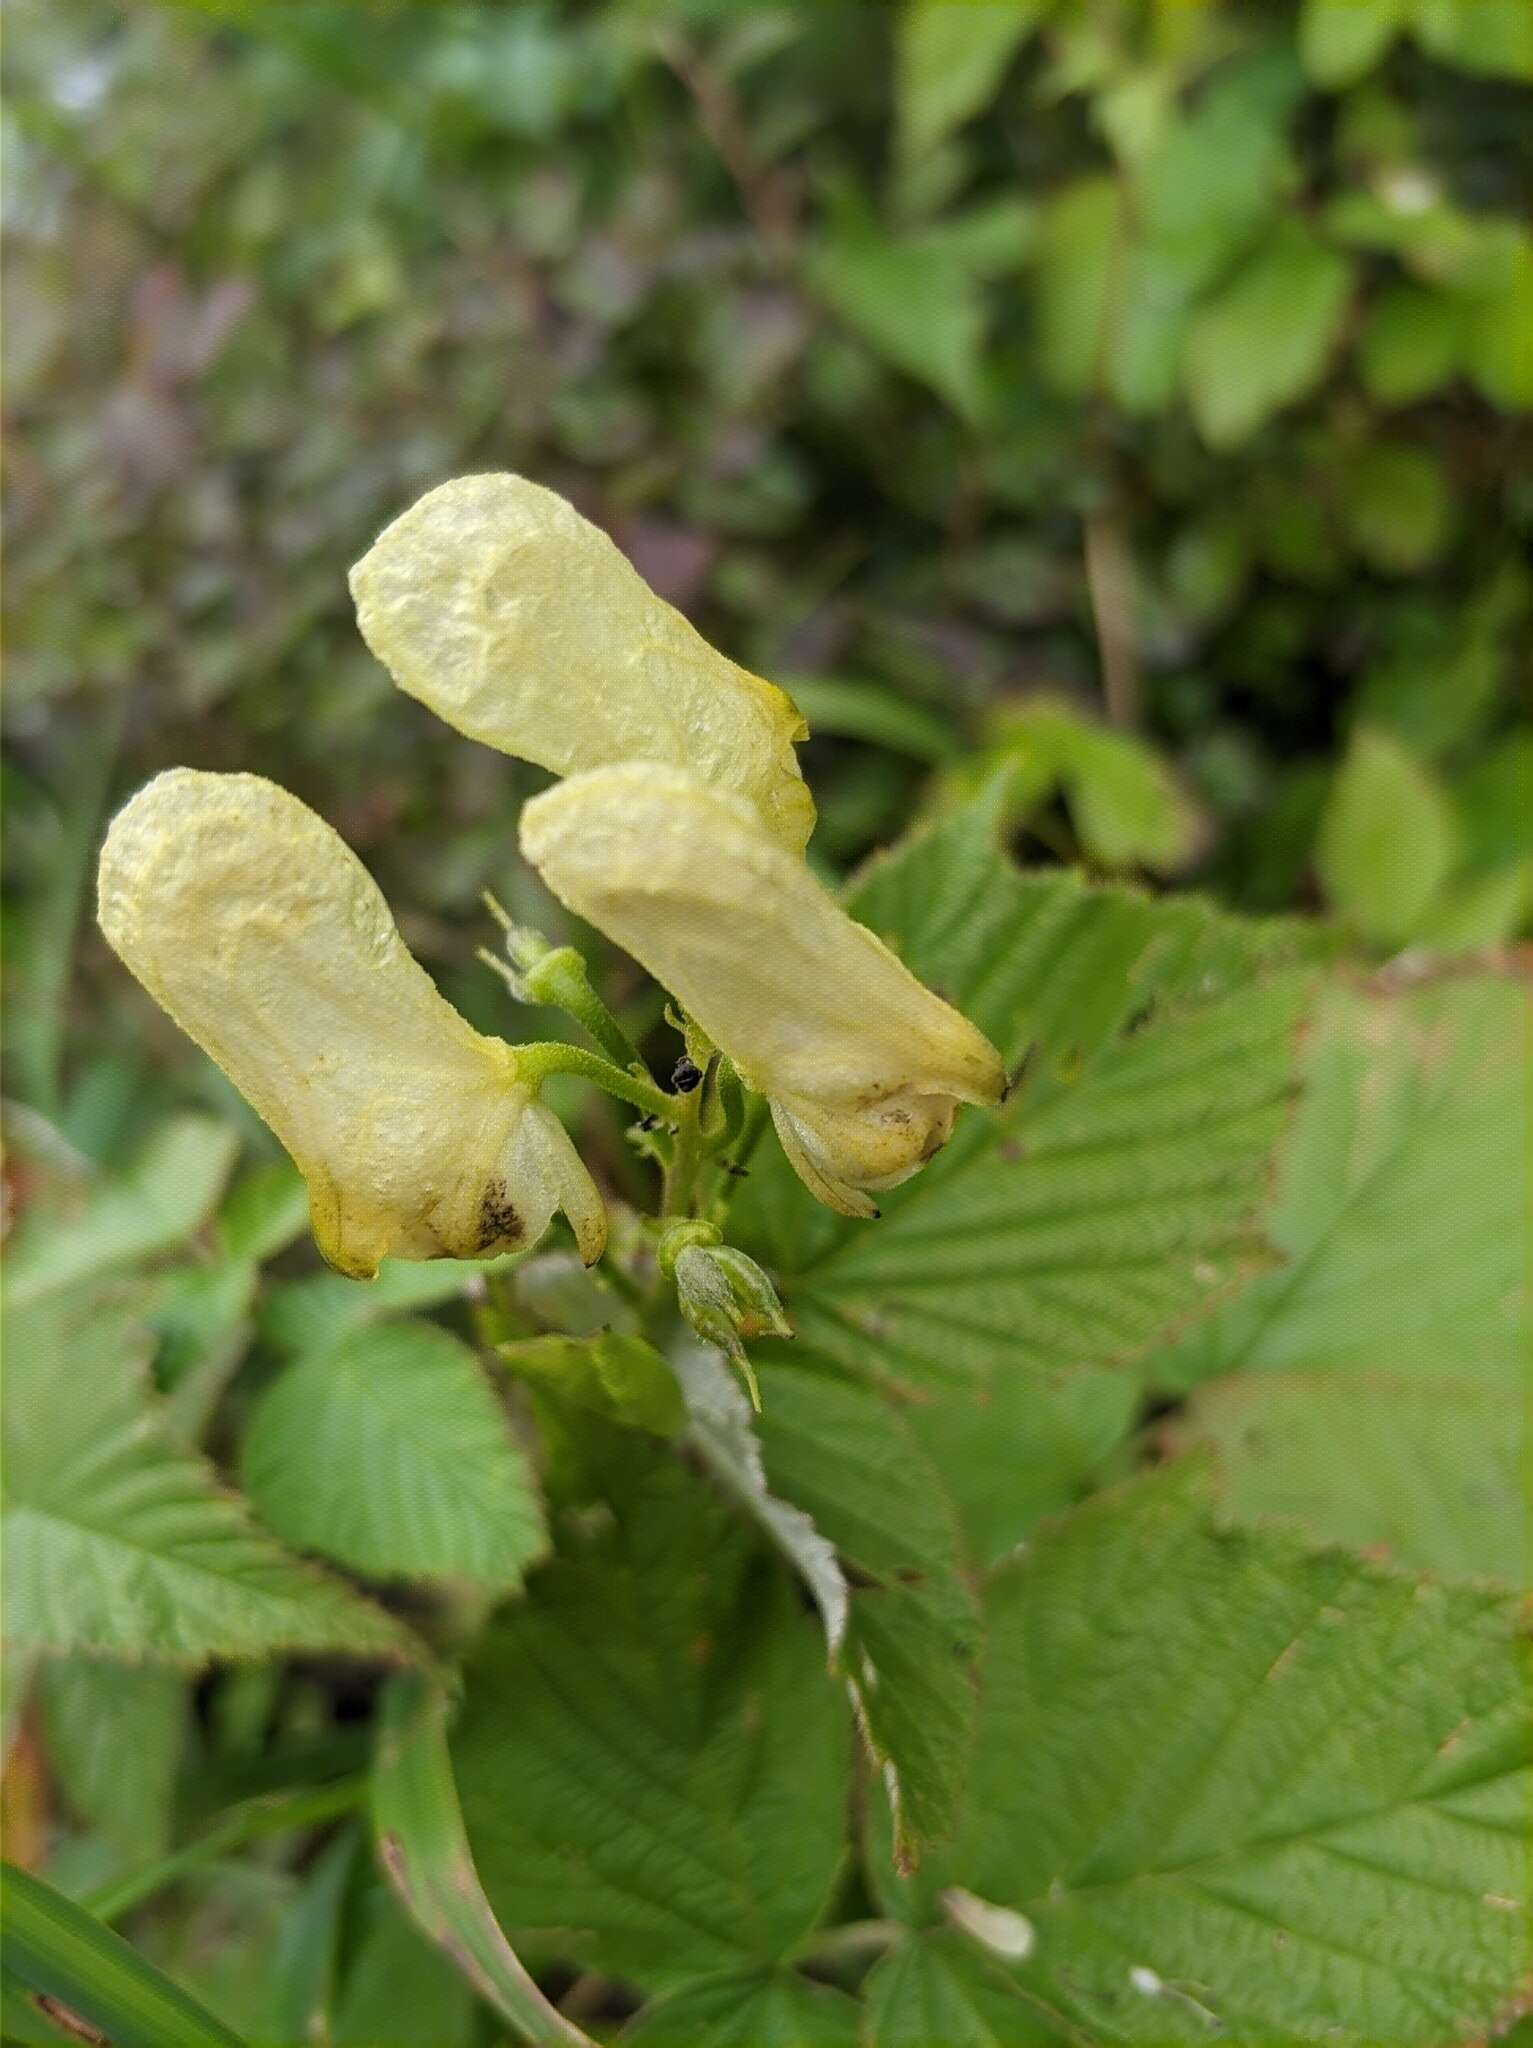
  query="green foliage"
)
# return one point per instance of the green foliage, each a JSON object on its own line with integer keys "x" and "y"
{"x": 985, "y": 268}
{"x": 55, "y": 1950}
{"x": 1192, "y": 1741}
{"x": 390, "y": 1454}
{"x": 423, "y": 1848}
{"x": 1107, "y": 421}
{"x": 652, "y": 1760}
{"x": 970, "y": 1351}
{"x": 1374, "y": 1386}
{"x": 950, "y": 59}
{"x": 119, "y": 1543}
{"x": 610, "y": 1373}
{"x": 153, "y": 1206}
{"x": 1263, "y": 342}
{"x": 762, "y": 2009}
{"x": 96, "y": 1715}
{"x": 1386, "y": 840}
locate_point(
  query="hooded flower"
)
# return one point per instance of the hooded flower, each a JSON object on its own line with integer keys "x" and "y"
{"x": 863, "y": 1065}
{"x": 266, "y": 939}
{"x": 521, "y": 624}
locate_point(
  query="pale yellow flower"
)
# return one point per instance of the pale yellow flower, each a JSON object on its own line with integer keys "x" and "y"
{"x": 864, "y": 1066}
{"x": 266, "y": 939}
{"x": 521, "y": 624}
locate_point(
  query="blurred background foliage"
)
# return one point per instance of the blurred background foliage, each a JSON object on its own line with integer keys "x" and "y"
{"x": 1132, "y": 391}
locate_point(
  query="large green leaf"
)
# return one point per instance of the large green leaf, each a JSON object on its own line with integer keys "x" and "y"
{"x": 1119, "y": 1187}
{"x": 652, "y": 1759}
{"x": 722, "y": 1434}
{"x": 850, "y": 1459}
{"x": 937, "y": 1987}
{"x": 1377, "y": 1383}
{"x": 993, "y": 1310}
{"x": 118, "y": 1543}
{"x": 390, "y": 1452}
{"x": 764, "y": 2009}
{"x": 1232, "y": 1785}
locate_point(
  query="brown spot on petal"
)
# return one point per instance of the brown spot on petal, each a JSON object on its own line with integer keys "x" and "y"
{"x": 498, "y": 1220}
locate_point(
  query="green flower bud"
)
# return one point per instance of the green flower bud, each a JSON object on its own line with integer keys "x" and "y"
{"x": 727, "y": 1299}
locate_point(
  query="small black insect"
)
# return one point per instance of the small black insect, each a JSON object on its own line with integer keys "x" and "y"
{"x": 649, "y": 1123}
{"x": 685, "y": 1075}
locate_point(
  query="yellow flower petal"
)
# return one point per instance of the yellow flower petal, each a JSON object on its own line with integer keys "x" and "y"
{"x": 865, "y": 1066}
{"x": 521, "y": 624}
{"x": 266, "y": 939}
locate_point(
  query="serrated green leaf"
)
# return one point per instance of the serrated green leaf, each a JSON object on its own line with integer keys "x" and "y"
{"x": 120, "y": 1544}
{"x": 153, "y": 1206}
{"x": 97, "y": 1714}
{"x": 1386, "y": 843}
{"x": 762, "y": 2009}
{"x": 652, "y": 1758}
{"x": 389, "y": 1452}
{"x": 1263, "y": 340}
{"x": 850, "y": 1460}
{"x": 950, "y": 58}
{"x": 966, "y": 1354}
{"x": 939, "y": 1988}
{"x": 722, "y": 1432}
{"x": 1375, "y": 1385}
{"x": 1234, "y": 1785}
{"x": 610, "y": 1373}
{"x": 1118, "y": 1188}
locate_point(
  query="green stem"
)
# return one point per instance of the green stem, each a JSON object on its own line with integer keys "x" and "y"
{"x": 560, "y": 980}
{"x": 686, "y": 1157}
{"x": 535, "y": 1062}
{"x": 272, "y": 1814}
{"x": 754, "y": 1123}
{"x": 557, "y": 977}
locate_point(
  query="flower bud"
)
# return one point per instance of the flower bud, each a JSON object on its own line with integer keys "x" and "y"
{"x": 521, "y": 624}
{"x": 724, "y": 1295}
{"x": 864, "y": 1066}
{"x": 262, "y": 934}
